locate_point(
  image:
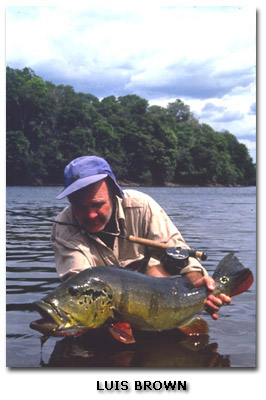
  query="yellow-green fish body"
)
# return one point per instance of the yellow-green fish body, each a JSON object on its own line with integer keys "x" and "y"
{"x": 110, "y": 294}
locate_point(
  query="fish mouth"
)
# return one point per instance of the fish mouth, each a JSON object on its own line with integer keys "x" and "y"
{"x": 54, "y": 321}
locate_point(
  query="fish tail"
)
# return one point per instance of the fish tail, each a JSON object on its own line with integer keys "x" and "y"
{"x": 231, "y": 277}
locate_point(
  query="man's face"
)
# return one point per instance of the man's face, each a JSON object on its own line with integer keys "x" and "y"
{"x": 93, "y": 206}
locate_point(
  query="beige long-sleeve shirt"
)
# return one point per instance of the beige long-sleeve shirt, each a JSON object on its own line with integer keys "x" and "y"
{"x": 137, "y": 214}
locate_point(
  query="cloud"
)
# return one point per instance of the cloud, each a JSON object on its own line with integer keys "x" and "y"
{"x": 188, "y": 79}
{"x": 98, "y": 81}
{"x": 248, "y": 136}
{"x": 210, "y": 109}
{"x": 154, "y": 52}
{"x": 219, "y": 113}
{"x": 252, "y": 110}
{"x": 229, "y": 116}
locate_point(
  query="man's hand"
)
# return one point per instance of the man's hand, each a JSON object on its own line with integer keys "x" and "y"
{"x": 213, "y": 303}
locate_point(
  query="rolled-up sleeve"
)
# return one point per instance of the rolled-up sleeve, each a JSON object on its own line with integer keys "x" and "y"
{"x": 68, "y": 260}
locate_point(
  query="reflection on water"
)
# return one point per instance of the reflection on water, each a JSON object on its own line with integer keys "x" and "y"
{"x": 166, "y": 349}
{"x": 216, "y": 220}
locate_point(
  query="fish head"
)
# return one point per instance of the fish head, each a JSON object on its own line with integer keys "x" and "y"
{"x": 74, "y": 307}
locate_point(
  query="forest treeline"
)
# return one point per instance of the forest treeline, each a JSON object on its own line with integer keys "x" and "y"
{"x": 48, "y": 125}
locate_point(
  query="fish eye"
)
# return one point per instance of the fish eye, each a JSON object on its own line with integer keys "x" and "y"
{"x": 73, "y": 290}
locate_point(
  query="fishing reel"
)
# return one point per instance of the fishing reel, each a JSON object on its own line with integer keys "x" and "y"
{"x": 176, "y": 258}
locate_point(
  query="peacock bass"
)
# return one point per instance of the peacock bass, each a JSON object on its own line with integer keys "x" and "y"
{"x": 122, "y": 299}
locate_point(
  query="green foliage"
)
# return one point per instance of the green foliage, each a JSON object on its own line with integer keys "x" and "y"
{"x": 17, "y": 158}
{"x": 49, "y": 125}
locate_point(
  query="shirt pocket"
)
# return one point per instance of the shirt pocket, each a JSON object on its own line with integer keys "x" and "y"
{"x": 129, "y": 252}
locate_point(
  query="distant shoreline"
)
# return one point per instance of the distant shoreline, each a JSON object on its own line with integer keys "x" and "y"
{"x": 134, "y": 184}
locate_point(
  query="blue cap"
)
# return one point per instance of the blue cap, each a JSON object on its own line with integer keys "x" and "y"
{"x": 84, "y": 171}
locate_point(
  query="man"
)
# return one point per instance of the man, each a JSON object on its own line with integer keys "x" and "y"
{"x": 91, "y": 231}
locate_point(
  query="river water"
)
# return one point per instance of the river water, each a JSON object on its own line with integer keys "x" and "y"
{"x": 216, "y": 220}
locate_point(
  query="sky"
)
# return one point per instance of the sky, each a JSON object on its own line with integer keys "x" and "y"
{"x": 205, "y": 56}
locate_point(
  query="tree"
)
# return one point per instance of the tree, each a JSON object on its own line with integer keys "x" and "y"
{"x": 17, "y": 159}
{"x": 134, "y": 108}
{"x": 48, "y": 125}
{"x": 179, "y": 111}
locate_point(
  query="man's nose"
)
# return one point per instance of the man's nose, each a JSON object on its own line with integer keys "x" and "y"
{"x": 92, "y": 213}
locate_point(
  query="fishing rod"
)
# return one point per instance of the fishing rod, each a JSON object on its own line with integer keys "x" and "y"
{"x": 25, "y": 214}
{"x": 178, "y": 254}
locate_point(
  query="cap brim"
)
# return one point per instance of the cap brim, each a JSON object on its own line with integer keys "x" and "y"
{"x": 80, "y": 184}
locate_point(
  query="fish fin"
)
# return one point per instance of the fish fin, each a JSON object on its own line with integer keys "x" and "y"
{"x": 228, "y": 265}
{"x": 134, "y": 320}
{"x": 232, "y": 277}
{"x": 195, "y": 327}
{"x": 122, "y": 332}
{"x": 242, "y": 283}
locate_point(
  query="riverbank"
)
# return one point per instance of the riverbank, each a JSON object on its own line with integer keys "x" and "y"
{"x": 135, "y": 184}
